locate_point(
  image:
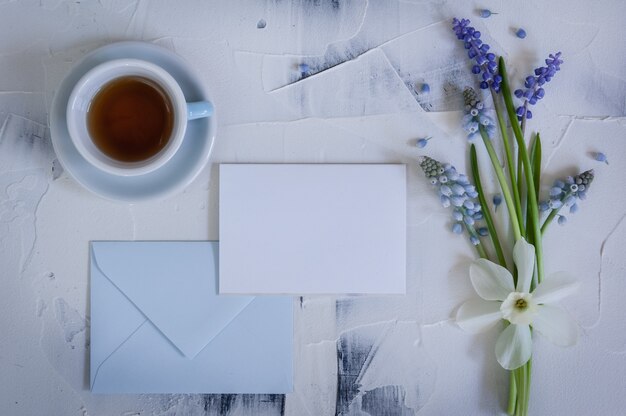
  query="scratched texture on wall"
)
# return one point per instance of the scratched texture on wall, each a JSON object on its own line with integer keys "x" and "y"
{"x": 324, "y": 81}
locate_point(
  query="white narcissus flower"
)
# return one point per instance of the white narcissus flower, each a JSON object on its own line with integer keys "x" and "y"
{"x": 517, "y": 305}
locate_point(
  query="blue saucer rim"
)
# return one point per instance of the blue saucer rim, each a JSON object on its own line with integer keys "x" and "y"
{"x": 60, "y": 140}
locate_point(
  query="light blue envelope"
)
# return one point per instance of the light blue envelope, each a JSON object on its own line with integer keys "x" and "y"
{"x": 159, "y": 326}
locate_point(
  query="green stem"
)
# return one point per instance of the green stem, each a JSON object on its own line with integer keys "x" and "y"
{"x": 520, "y": 392}
{"x": 552, "y": 215}
{"x": 509, "y": 161}
{"x": 481, "y": 251}
{"x": 536, "y": 158}
{"x": 493, "y": 233}
{"x": 520, "y": 187}
{"x": 548, "y": 220}
{"x": 528, "y": 174}
{"x": 529, "y": 367}
{"x": 506, "y": 193}
{"x": 512, "y": 393}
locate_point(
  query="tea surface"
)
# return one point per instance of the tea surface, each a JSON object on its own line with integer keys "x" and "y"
{"x": 130, "y": 119}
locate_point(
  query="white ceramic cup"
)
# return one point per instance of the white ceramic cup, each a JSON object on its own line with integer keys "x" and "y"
{"x": 91, "y": 83}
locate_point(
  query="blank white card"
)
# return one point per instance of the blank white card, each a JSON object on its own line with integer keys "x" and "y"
{"x": 312, "y": 229}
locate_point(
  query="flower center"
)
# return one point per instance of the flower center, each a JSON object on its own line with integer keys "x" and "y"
{"x": 519, "y": 308}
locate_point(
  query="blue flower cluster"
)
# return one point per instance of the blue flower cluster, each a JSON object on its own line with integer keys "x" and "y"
{"x": 533, "y": 90}
{"x": 476, "y": 116}
{"x": 456, "y": 190}
{"x": 486, "y": 63}
{"x": 567, "y": 193}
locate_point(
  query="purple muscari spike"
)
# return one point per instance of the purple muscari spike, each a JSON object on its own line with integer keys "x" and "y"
{"x": 533, "y": 86}
{"x": 477, "y": 50}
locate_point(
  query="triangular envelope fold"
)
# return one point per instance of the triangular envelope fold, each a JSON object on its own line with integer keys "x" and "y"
{"x": 173, "y": 286}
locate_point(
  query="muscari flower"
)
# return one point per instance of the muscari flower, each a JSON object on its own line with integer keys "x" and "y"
{"x": 421, "y": 143}
{"x": 476, "y": 116}
{"x": 533, "y": 86}
{"x": 601, "y": 157}
{"x": 486, "y": 63}
{"x": 455, "y": 190}
{"x": 567, "y": 193}
{"x": 497, "y": 200}
{"x": 521, "y": 308}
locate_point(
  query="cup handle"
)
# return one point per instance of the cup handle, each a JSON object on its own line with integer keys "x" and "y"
{"x": 199, "y": 109}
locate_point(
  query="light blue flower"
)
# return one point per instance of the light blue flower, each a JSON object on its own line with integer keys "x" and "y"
{"x": 601, "y": 157}
{"x": 476, "y": 116}
{"x": 455, "y": 190}
{"x": 566, "y": 193}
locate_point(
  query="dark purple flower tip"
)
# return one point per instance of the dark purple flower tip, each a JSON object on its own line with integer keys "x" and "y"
{"x": 540, "y": 93}
{"x": 533, "y": 100}
{"x": 529, "y": 114}
{"x": 521, "y": 33}
{"x": 484, "y": 47}
{"x": 475, "y": 69}
{"x": 491, "y": 57}
{"x": 476, "y": 34}
{"x": 519, "y": 93}
{"x": 520, "y": 111}
{"x": 484, "y": 85}
{"x": 486, "y": 76}
{"x": 497, "y": 78}
{"x": 492, "y": 67}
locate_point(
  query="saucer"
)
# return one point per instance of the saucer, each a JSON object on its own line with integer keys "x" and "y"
{"x": 169, "y": 179}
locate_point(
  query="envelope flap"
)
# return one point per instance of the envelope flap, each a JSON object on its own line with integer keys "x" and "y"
{"x": 174, "y": 284}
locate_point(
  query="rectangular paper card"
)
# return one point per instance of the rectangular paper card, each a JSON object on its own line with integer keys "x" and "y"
{"x": 312, "y": 228}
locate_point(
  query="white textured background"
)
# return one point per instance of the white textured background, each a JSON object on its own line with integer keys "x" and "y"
{"x": 354, "y": 356}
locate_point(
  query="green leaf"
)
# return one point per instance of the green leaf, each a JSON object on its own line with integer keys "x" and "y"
{"x": 536, "y": 158}
{"x": 504, "y": 186}
{"x": 493, "y": 233}
{"x": 528, "y": 173}
{"x": 510, "y": 164}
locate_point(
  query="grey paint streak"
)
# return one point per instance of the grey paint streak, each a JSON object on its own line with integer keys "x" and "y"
{"x": 243, "y": 404}
{"x": 386, "y": 401}
{"x": 355, "y": 351}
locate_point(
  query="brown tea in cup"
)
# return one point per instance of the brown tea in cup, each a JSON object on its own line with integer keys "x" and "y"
{"x": 130, "y": 119}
